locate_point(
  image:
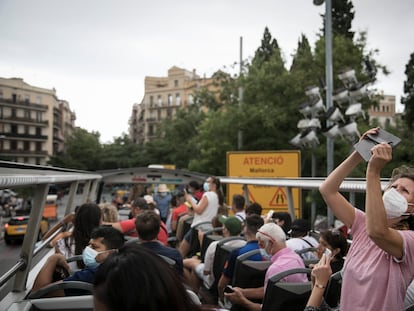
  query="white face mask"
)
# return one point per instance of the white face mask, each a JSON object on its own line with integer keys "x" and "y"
{"x": 395, "y": 203}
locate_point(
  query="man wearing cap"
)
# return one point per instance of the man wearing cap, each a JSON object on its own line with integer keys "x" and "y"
{"x": 162, "y": 198}
{"x": 300, "y": 239}
{"x": 196, "y": 271}
{"x": 127, "y": 227}
{"x": 271, "y": 239}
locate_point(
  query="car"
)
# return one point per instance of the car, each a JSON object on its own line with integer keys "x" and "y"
{"x": 15, "y": 228}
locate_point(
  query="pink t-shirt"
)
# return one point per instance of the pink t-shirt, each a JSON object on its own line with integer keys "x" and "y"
{"x": 283, "y": 260}
{"x": 373, "y": 279}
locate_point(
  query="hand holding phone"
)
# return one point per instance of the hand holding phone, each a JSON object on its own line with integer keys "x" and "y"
{"x": 228, "y": 289}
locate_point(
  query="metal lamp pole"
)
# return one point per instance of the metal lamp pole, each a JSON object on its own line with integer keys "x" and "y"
{"x": 329, "y": 87}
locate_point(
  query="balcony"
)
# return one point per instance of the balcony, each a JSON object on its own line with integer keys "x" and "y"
{"x": 24, "y": 120}
{"x": 15, "y": 136}
{"x": 18, "y": 103}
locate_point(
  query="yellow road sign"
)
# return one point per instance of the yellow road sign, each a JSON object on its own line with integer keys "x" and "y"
{"x": 265, "y": 164}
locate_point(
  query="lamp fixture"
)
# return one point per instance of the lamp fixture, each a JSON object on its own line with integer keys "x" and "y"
{"x": 334, "y": 114}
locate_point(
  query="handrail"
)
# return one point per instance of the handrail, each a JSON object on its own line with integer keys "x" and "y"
{"x": 17, "y": 175}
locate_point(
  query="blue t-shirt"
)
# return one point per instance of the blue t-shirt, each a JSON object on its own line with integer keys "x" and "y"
{"x": 166, "y": 251}
{"x": 163, "y": 203}
{"x": 85, "y": 275}
{"x": 230, "y": 264}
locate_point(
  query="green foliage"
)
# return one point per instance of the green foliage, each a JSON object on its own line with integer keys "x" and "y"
{"x": 83, "y": 151}
{"x": 408, "y": 99}
{"x": 342, "y": 16}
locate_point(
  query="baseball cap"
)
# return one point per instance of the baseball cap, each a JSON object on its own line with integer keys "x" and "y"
{"x": 232, "y": 224}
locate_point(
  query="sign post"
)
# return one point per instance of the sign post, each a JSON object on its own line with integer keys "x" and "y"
{"x": 265, "y": 164}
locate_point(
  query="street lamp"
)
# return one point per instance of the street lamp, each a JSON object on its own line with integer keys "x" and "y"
{"x": 329, "y": 87}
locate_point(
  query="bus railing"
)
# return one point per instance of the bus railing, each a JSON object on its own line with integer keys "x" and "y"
{"x": 39, "y": 178}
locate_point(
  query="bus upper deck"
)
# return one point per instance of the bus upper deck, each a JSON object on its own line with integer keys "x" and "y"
{"x": 15, "y": 285}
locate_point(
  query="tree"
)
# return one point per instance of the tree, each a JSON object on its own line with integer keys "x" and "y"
{"x": 342, "y": 16}
{"x": 83, "y": 151}
{"x": 122, "y": 153}
{"x": 408, "y": 99}
{"x": 266, "y": 50}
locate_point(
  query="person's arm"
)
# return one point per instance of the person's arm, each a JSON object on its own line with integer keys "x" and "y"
{"x": 66, "y": 220}
{"x": 237, "y": 297}
{"x": 329, "y": 190}
{"x": 200, "y": 207}
{"x": 378, "y": 229}
{"x": 321, "y": 273}
{"x": 253, "y": 293}
{"x": 45, "y": 275}
{"x": 222, "y": 283}
{"x": 115, "y": 225}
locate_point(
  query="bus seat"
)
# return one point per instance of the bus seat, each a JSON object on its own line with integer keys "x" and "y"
{"x": 249, "y": 273}
{"x": 281, "y": 296}
{"x": 59, "y": 286}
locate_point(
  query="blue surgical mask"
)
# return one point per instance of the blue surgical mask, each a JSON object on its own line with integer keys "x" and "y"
{"x": 206, "y": 187}
{"x": 89, "y": 257}
{"x": 265, "y": 254}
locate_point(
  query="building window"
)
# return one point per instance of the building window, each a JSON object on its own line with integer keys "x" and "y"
{"x": 159, "y": 101}
{"x": 27, "y": 114}
{"x": 175, "y": 83}
{"x": 169, "y": 99}
{"x": 150, "y": 130}
{"x": 38, "y": 116}
{"x": 26, "y": 146}
{"x": 38, "y": 100}
{"x": 38, "y": 146}
{"x": 177, "y": 99}
{"x": 1, "y": 94}
{"x": 159, "y": 115}
{"x": 27, "y": 98}
{"x": 191, "y": 99}
{"x": 151, "y": 101}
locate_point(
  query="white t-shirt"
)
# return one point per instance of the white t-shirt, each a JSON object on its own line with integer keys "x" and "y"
{"x": 298, "y": 244}
{"x": 210, "y": 211}
{"x": 209, "y": 261}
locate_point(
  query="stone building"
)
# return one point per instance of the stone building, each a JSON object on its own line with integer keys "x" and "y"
{"x": 34, "y": 122}
{"x": 163, "y": 97}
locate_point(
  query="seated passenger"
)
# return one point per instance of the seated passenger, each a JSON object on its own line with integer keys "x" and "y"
{"x": 128, "y": 226}
{"x": 104, "y": 240}
{"x": 136, "y": 279}
{"x": 253, "y": 223}
{"x": 300, "y": 238}
{"x": 148, "y": 225}
{"x": 272, "y": 244}
{"x": 283, "y": 219}
{"x": 334, "y": 243}
{"x": 197, "y": 271}
{"x": 87, "y": 217}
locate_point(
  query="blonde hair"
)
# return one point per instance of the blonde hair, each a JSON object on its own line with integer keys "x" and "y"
{"x": 109, "y": 212}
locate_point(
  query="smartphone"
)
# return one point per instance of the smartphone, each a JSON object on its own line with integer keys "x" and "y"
{"x": 228, "y": 289}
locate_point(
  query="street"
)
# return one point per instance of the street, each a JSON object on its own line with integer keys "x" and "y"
{"x": 9, "y": 254}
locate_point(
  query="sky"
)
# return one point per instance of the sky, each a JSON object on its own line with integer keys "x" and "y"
{"x": 96, "y": 53}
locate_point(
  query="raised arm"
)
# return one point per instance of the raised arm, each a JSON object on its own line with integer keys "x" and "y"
{"x": 376, "y": 219}
{"x": 329, "y": 190}
{"x": 200, "y": 207}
